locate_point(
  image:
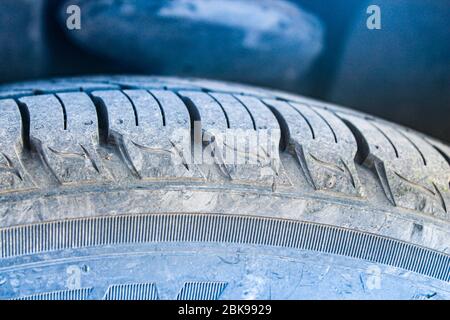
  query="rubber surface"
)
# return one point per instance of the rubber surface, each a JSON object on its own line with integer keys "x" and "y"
{"x": 103, "y": 196}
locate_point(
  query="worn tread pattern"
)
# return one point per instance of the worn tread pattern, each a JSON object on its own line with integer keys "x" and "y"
{"x": 63, "y": 130}
{"x": 148, "y": 120}
{"x": 12, "y": 174}
{"x": 414, "y": 175}
{"x": 150, "y": 128}
{"x": 324, "y": 146}
{"x": 227, "y": 127}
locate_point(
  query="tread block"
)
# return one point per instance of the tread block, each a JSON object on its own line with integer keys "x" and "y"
{"x": 237, "y": 115}
{"x": 132, "y": 291}
{"x": 262, "y": 117}
{"x": 71, "y": 294}
{"x": 12, "y": 174}
{"x": 152, "y": 131}
{"x": 65, "y": 135}
{"x": 437, "y": 165}
{"x": 147, "y": 109}
{"x": 175, "y": 113}
{"x": 414, "y": 175}
{"x": 206, "y": 290}
{"x": 443, "y": 149}
{"x": 243, "y": 151}
{"x": 324, "y": 146}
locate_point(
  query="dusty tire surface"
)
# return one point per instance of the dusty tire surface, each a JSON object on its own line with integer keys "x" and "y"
{"x": 118, "y": 187}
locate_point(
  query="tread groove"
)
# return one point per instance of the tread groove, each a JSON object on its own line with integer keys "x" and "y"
{"x": 63, "y": 110}
{"x": 385, "y": 136}
{"x": 414, "y": 145}
{"x": 285, "y": 133}
{"x": 102, "y": 118}
{"x": 326, "y": 122}
{"x": 194, "y": 115}
{"x": 249, "y": 113}
{"x": 136, "y": 116}
{"x": 25, "y": 116}
{"x": 221, "y": 107}
{"x": 163, "y": 114}
{"x": 441, "y": 198}
{"x": 305, "y": 118}
{"x": 446, "y": 157}
{"x": 362, "y": 152}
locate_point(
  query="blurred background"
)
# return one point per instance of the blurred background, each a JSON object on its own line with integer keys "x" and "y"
{"x": 318, "y": 48}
